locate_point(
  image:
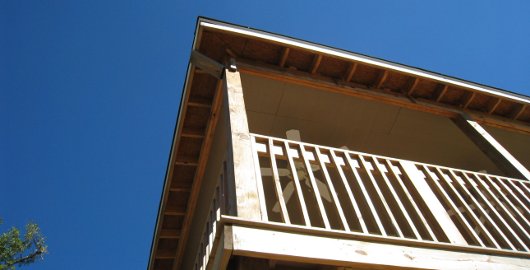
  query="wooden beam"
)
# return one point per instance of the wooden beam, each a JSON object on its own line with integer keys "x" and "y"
{"x": 192, "y": 135}
{"x": 230, "y": 52}
{"x": 279, "y": 245}
{"x": 374, "y": 238}
{"x": 351, "y": 72}
{"x": 199, "y": 104}
{"x": 165, "y": 254}
{"x": 442, "y": 92}
{"x": 413, "y": 86}
{"x": 380, "y": 79}
{"x": 180, "y": 189}
{"x": 316, "y": 63}
{"x": 493, "y": 149}
{"x": 302, "y": 78}
{"x": 174, "y": 212}
{"x": 201, "y": 166}
{"x": 285, "y": 54}
{"x": 185, "y": 163}
{"x": 499, "y": 122}
{"x": 492, "y": 109}
{"x": 207, "y": 64}
{"x": 170, "y": 234}
{"x": 240, "y": 163}
{"x": 433, "y": 204}
{"x": 469, "y": 99}
{"x": 523, "y": 107}
{"x": 200, "y": 71}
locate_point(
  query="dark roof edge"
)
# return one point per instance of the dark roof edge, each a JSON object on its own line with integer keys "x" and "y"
{"x": 172, "y": 149}
{"x": 248, "y": 31}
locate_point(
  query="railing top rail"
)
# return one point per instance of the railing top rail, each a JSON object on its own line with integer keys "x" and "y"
{"x": 387, "y": 157}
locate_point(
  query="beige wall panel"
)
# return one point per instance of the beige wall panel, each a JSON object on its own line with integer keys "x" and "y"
{"x": 335, "y": 120}
{"x": 516, "y": 143}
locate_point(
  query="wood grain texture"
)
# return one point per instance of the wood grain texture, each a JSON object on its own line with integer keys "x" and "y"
{"x": 206, "y": 64}
{"x": 272, "y": 244}
{"x": 241, "y": 158}
{"x": 491, "y": 147}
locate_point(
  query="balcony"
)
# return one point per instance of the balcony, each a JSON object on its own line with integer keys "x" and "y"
{"x": 229, "y": 191}
{"x": 335, "y": 189}
{"x": 318, "y": 190}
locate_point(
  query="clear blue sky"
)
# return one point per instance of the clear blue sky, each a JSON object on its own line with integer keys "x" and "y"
{"x": 89, "y": 93}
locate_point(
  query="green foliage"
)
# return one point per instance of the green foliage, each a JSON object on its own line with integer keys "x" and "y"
{"x": 17, "y": 251}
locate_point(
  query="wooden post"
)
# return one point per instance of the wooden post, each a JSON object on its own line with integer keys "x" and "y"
{"x": 206, "y": 64}
{"x": 493, "y": 149}
{"x": 240, "y": 159}
{"x": 434, "y": 205}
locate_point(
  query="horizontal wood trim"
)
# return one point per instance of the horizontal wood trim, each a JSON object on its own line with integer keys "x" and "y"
{"x": 328, "y": 85}
{"x": 274, "y": 244}
{"x": 165, "y": 254}
{"x": 174, "y": 212}
{"x": 192, "y": 135}
{"x": 180, "y": 189}
{"x": 207, "y": 64}
{"x": 199, "y": 104}
{"x": 185, "y": 163}
{"x": 170, "y": 234}
{"x": 230, "y": 220}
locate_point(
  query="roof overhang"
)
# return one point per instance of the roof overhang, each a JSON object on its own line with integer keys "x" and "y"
{"x": 217, "y": 42}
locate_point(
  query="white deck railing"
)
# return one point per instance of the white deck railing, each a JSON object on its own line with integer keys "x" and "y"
{"x": 337, "y": 189}
{"x": 209, "y": 235}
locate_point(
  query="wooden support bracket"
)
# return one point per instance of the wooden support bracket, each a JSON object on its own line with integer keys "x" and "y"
{"x": 412, "y": 87}
{"x": 285, "y": 54}
{"x": 381, "y": 79}
{"x": 351, "y": 71}
{"x": 493, "y": 149}
{"x": 207, "y": 64}
{"x": 443, "y": 90}
{"x": 316, "y": 63}
{"x": 518, "y": 113}
{"x": 494, "y": 107}
{"x": 469, "y": 99}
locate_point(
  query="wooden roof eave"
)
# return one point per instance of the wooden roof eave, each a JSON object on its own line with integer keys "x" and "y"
{"x": 169, "y": 171}
{"x": 379, "y": 63}
{"x": 176, "y": 138}
{"x": 318, "y": 50}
